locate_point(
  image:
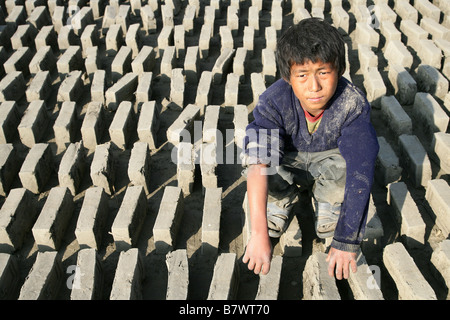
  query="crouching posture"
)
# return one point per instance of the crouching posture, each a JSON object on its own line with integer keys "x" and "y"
{"x": 312, "y": 130}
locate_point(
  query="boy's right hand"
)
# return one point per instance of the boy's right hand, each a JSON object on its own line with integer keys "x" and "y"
{"x": 258, "y": 254}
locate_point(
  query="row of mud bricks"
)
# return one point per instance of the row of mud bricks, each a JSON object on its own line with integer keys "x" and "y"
{"x": 86, "y": 84}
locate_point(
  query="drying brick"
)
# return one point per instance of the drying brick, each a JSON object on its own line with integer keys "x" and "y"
{"x": 127, "y": 284}
{"x": 72, "y": 167}
{"x": 224, "y": 283}
{"x": 178, "y": 275}
{"x": 88, "y": 278}
{"x": 438, "y": 197}
{"x": 37, "y": 168}
{"x": 102, "y": 169}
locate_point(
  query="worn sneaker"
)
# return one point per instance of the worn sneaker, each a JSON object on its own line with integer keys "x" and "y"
{"x": 277, "y": 219}
{"x": 327, "y": 216}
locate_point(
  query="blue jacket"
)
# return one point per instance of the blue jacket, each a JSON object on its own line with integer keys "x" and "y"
{"x": 345, "y": 125}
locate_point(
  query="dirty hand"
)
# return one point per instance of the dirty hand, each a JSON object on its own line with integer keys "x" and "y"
{"x": 340, "y": 260}
{"x": 258, "y": 254}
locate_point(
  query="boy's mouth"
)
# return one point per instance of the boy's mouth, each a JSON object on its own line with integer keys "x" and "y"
{"x": 315, "y": 99}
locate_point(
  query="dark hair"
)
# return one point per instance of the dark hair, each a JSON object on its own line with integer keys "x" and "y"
{"x": 311, "y": 39}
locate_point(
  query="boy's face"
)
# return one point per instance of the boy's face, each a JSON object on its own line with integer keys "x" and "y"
{"x": 314, "y": 84}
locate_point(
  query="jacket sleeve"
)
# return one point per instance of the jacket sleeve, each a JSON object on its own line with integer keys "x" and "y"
{"x": 264, "y": 139}
{"x": 358, "y": 145}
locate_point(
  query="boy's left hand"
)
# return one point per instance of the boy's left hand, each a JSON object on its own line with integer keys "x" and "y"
{"x": 340, "y": 260}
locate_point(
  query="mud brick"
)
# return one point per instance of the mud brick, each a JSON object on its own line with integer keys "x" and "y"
{"x": 383, "y": 10}
{"x": 168, "y": 61}
{"x": 367, "y": 35}
{"x": 226, "y": 38}
{"x": 65, "y": 126}
{"x": 19, "y": 61}
{"x": 98, "y": 8}
{"x": 109, "y": 19}
{"x": 212, "y": 208}
{"x": 31, "y": 5}
{"x": 128, "y": 223}
{"x": 46, "y": 37}
{"x": 204, "y": 92}
{"x": 178, "y": 275}
{"x": 390, "y": 31}
{"x": 397, "y": 119}
{"x": 91, "y": 63}
{"x": 127, "y": 284}
{"x": 269, "y": 66}
{"x": 225, "y": 280}
{"x": 375, "y": 87}
{"x": 409, "y": 280}
{"x": 185, "y": 167}
{"x": 441, "y": 148}
{"x": 412, "y": 226}
{"x": 88, "y": 277}
{"x": 9, "y": 276}
{"x": 59, "y": 19}
{"x": 165, "y": 40}
{"x": 92, "y": 219}
{"x": 208, "y": 164}
{"x": 276, "y": 18}
{"x": 17, "y": 216}
{"x": 204, "y": 41}
{"x": 121, "y": 63}
{"x": 191, "y": 65}
{"x": 374, "y": 232}
{"x": 367, "y": 57}
{"x": 148, "y": 124}
{"x": 9, "y": 167}
{"x": 144, "y": 89}
{"x": 179, "y": 39}
{"x": 98, "y": 86}
{"x": 210, "y": 123}
{"x": 81, "y": 19}
{"x": 397, "y": 53}
{"x": 189, "y": 18}
{"x": 362, "y": 13}
{"x": 71, "y": 88}
{"x": 12, "y": 86}
{"x": 144, "y": 61}
{"x": 72, "y": 167}
{"x": 37, "y": 168}
{"x": 67, "y": 38}
{"x": 43, "y": 60}
{"x": 167, "y": 15}
{"x": 240, "y": 63}
{"x": 132, "y": 39}
{"x": 317, "y": 284}
{"x": 271, "y": 38}
{"x": 406, "y": 11}
{"x": 209, "y": 18}
{"x": 440, "y": 258}
{"x": 123, "y": 125}
{"x": 148, "y": 19}
{"x": 428, "y": 112}
{"x": 268, "y": 287}
{"x": 232, "y": 90}
{"x": 430, "y": 80}
{"x": 428, "y": 10}
{"x": 299, "y": 14}
{"x": 429, "y": 53}
{"x": 240, "y": 121}
{"x": 17, "y": 15}
{"x": 437, "y": 195}
{"x": 89, "y": 38}
{"x": 222, "y": 65}
{"x": 45, "y": 278}
{"x": 23, "y": 37}
{"x": 404, "y": 84}
{"x": 387, "y": 164}
{"x": 177, "y": 89}
{"x": 414, "y": 160}
{"x": 50, "y": 227}
{"x": 114, "y": 39}
{"x": 139, "y": 165}
{"x": 71, "y": 60}
{"x": 34, "y": 123}
{"x": 435, "y": 29}
{"x": 9, "y": 120}
{"x": 168, "y": 219}
{"x": 40, "y": 87}
{"x": 258, "y": 86}
{"x": 253, "y": 18}
{"x": 341, "y": 19}
{"x": 413, "y": 33}
{"x": 122, "y": 90}
{"x": 363, "y": 284}
{"x": 102, "y": 168}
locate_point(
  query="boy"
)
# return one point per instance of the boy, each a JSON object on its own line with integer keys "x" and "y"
{"x": 311, "y": 129}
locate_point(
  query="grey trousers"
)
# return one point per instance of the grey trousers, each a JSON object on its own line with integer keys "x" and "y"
{"x": 324, "y": 172}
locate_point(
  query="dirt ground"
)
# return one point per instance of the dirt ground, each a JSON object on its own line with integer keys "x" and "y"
{"x": 163, "y": 173}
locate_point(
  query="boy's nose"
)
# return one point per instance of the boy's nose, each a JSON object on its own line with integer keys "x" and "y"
{"x": 314, "y": 84}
